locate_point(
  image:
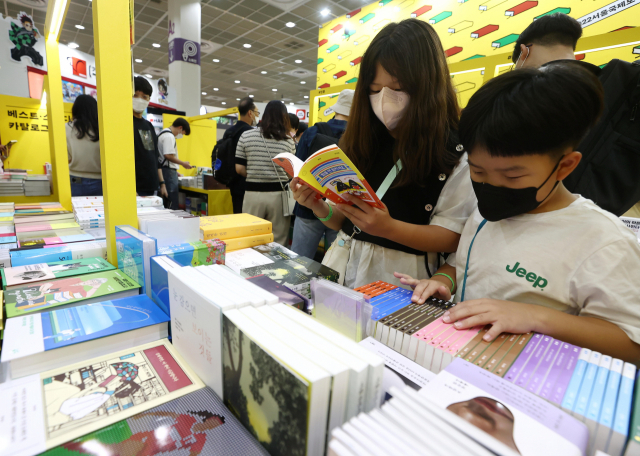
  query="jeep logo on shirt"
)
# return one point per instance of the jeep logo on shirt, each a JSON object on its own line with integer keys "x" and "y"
{"x": 536, "y": 280}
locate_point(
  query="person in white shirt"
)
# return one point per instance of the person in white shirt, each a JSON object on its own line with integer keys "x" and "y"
{"x": 168, "y": 147}
{"x": 535, "y": 257}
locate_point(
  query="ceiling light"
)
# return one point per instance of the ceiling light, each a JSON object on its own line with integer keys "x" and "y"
{"x": 216, "y": 61}
{"x": 237, "y": 99}
{"x": 204, "y": 93}
{"x": 298, "y": 61}
{"x": 306, "y": 96}
{"x": 325, "y": 12}
{"x": 57, "y": 16}
{"x": 247, "y": 45}
{"x": 236, "y": 81}
{"x": 263, "y": 72}
{"x": 148, "y": 76}
{"x": 250, "y": 96}
{"x": 290, "y": 24}
{"x": 215, "y": 88}
{"x": 291, "y": 104}
{"x": 73, "y": 45}
{"x": 302, "y": 82}
{"x": 224, "y": 102}
{"x": 138, "y": 60}
{"x": 274, "y": 90}
{"x": 80, "y": 27}
{"x": 155, "y": 45}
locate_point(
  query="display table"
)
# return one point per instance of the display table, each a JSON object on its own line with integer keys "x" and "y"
{"x": 218, "y": 201}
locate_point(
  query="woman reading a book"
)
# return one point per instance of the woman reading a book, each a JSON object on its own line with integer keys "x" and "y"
{"x": 403, "y": 121}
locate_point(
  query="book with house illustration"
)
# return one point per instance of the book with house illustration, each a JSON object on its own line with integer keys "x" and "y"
{"x": 331, "y": 174}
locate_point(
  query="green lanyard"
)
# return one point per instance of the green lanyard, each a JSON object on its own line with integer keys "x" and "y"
{"x": 466, "y": 268}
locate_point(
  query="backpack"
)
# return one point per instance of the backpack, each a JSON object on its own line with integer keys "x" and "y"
{"x": 223, "y": 161}
{"x": 325, "y": 137}
{"x": 164, "y": 161}
{"x": 609, "y": 173}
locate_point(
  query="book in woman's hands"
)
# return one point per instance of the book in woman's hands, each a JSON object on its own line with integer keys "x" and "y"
{"x": 331, "y": 174}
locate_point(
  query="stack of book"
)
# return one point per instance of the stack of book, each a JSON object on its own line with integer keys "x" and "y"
{"x": 37, "y": 185}
{"x": 8, "y": 238}
{"x": 89, "y": 210}
{"x": 345, "y": 310}
{"x": 468, "y": 412}
{"x": 170, "y": 227}
{"x": 238, "y": 231}
{"x": 60, "y": 252}
{"x": 11, "y": 184}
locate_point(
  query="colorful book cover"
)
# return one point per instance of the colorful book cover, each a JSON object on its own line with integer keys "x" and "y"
{"x": 46, "y": 227}
{"x": 233, "y": 226}
{"x": 330, "y": 173}
{"x": 160, "y": 281}
{"x": 196, "y": 253}
{"x": 197, "y": 424}
{"x": 22, "y": 275}
{"x": 37, "y": 333}
{"x": 88, "y": 396}
{"x": 253, "y": 385}
{"x": 58, "y": 292}
{"x": 502, "y": 416}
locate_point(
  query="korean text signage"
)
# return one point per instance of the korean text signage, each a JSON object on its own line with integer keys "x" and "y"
{"x": 181, "y": 50}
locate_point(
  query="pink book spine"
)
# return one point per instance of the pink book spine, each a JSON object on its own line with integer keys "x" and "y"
{"x": 464, "y": 340}
{"x": 24, "y": 229}
{"x": 453, "y": 340}
{"x": 432, "y": 330}
{"x": 53, "y": 240}
{"x": 448, "y": 330}
{"x": 424, "y": 331}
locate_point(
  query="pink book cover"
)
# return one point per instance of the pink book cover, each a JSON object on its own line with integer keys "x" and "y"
{"x": 422, "y": 334}
{"x": 447, "y": 330}
{"x": 464, "y": 340}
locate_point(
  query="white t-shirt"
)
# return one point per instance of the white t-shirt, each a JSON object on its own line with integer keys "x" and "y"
{"x": 167, "y": 146}
{"x": 580, "y": 260}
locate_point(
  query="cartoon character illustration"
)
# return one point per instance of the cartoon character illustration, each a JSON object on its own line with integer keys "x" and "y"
{"x": 73, "y": 287}
{"x": 73, "y": 402}
{"x": 182, "y": 431}
{"x": 163, "y": 91}
{"x": 24, "y": 38}
{"x": 351, "y": 187}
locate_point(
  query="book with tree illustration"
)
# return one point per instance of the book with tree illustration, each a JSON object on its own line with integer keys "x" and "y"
{"x": 331, "y": 174}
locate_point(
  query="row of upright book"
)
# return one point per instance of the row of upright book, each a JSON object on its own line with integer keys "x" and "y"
{"x": 21, "y": 183}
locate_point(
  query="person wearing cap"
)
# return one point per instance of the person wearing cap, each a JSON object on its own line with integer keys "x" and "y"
{"x": 307, "y": 229}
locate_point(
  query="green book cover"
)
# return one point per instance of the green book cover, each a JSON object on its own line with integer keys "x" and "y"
{"x": 58, "y": 292}
{"x": 634, "y": 431}
{"x": 36, "y": 273}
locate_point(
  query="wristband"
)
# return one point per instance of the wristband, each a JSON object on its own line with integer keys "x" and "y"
{"x": 328, "y": 217}
{"x": 162, "y": 183}
{"x": 453, "y": 284}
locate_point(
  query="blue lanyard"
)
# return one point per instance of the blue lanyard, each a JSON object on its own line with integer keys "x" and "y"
{"x": 466, "y": 268}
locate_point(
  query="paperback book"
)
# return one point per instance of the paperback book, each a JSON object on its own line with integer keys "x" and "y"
{"x": 195, "y": 424}
{"x": 35, "y": 273}
{"x": 135, "y": 249}
{"x": 53, "y": 293}
{"x": 232, "y": 226}
{"x": 331, "y": 174}
{"x": 48, "y": 340}
{"x": 196, "y": 253}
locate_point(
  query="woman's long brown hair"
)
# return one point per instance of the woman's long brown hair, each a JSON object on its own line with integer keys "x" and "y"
{"x": 411, "y": 52}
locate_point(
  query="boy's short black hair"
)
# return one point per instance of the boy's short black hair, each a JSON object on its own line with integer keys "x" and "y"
{"x": 302, "y": 127}
{"x": 294, "y": 121}
{"x": 142, "y": 85}
{"x": 551, "y": 30}
{"x": 182, "y": 122}
{"x": 532, "y": 111}
{"x": 246, "y": 105}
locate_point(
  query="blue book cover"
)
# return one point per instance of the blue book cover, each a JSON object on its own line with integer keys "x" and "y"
{"x": 611, "y": 394}
{"x": 131, "y": 255}
{"x": 8, "y": 240}
{"x": 582, "y": 401}
{"x": 36, "y": 333}
{"x": 622, "y": 415}
{"x": 569, "y": 399}
{"x": 32, "y": 256}
{"x": 599, "y": 388}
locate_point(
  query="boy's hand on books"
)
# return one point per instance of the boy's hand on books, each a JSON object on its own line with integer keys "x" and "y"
{"x": 371, "y": 220}
{"x": 503, "y": 316}
{"x": 424, "y": 289}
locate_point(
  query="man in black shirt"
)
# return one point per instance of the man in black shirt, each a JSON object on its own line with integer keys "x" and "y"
{"x": 248, "y": 114}
{"x": 149, "y": 179}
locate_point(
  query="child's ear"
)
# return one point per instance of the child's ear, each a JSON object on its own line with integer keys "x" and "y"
{"x": 524, "y": 53}
{"x": 568, "y": 163}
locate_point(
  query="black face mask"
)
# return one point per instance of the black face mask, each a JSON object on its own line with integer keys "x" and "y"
{"x": 499, "y": 203}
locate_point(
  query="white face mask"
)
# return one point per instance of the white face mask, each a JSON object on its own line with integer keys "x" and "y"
{"x": 140, "y": 104}
{"x": 179, "y": 136}
{"x": 254, "y": 122}
{"x": 389, "y": 106}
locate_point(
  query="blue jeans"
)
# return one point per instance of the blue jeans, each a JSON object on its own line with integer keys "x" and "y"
{"x": 83, "y": 186}
{"x": 307, "y": 234}
{"x": 171, "y": 181}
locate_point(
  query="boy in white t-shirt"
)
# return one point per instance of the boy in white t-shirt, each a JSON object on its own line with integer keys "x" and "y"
{"x": 533, "y": 256}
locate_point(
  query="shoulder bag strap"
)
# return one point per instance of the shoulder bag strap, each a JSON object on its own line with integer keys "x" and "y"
{"x": 386, "y": 183}
{"x": 274, "y": 165}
